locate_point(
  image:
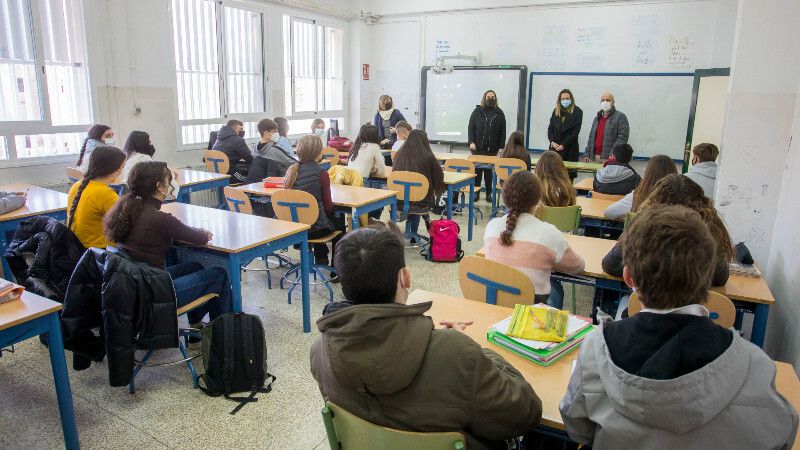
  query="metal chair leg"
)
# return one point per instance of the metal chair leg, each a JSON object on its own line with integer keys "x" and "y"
{"x": 137, "y": 368}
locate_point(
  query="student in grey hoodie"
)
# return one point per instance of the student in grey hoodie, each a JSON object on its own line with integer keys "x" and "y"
{"x": 704, "y": 168}
{"x": 269, "y": 160}
{"x": 617, "y": 176}
{"x": 669, "y": 377}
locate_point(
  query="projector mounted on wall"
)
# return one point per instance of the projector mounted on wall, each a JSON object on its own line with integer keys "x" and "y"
{"x": 441, "y": 67}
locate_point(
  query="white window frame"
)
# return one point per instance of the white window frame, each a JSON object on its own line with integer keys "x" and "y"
{"x": 10, "y": 129}
{"x": 225, "y": 115}
{"x": 319, "y": 72}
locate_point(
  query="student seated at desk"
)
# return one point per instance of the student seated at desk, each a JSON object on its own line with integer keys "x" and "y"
{"x": 230, "y": 140}
{"x": 307, "y": 176}
{"x": 416, "y": 156}
{"x": 657, "y": 168}
{"x": 403, "y": 128}
{"x": 515, "y": 148}
{"x": 704, "y": 167}
{"x": 669, "y": 377}
{"x": 139, "y": 148}
{"x": 318, "y": 130}
{"x": 137, "y": 226}
{"x": 520, "y": 240}
{"x": 270, "y": 160}
{"x": 617, "y": 176}
{"x": 283, "y": 139}
{"x": 384, "y": 361}
{"x": 12, "y": 201}
{"x": 91, "y": 198}
{"x": 97, "y": 136}
{"x": 557, "y": 189}
{"x": 366, "y": 157}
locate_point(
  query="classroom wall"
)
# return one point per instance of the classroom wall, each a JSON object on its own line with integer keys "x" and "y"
{"x": 130, "y": 54}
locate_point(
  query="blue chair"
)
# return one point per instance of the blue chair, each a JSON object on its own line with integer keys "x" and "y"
{"x": 301, "y": 207}
{"x": 465, "y": 166}
{"x": 74, "y": 175}
{"x": 494, "y": 283}
{"x": 410, "y": 187}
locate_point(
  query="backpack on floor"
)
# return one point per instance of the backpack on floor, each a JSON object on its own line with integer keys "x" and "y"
{"x": 445, "y": 245}
{"x": 235, "y": 358}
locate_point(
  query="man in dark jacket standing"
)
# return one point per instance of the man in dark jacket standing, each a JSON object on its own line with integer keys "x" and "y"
{"x": 385, "y": 362}
{"x": 487, "y": 135}
{"x": 230, "y": 140}
{"x": 610, "y": 127}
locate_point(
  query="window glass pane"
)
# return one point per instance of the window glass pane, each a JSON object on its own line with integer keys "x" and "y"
{"x": 198, "y": 134}
{"x": 37, "y": 145}
{"x": 333, "y": 79}
{"x": 303, "y": 65}
{"x": 195, "y": 39}
{"x": 19, "y": 88}
{"x": 303, "y": 126}
{"x": 65, "y": 62}
{"x": 244, "y": 65}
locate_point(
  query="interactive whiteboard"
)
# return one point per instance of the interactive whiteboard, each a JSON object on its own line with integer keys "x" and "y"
{"x": 656, "y": 104}
{"x": 447, "y": 100}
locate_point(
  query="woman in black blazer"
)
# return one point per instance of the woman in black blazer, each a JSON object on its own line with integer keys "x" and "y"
{"x": 565, "y": 125}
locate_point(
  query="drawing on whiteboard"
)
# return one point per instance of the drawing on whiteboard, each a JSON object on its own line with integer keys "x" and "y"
{"x": 643, "y": 49}
{"x": 591, "y": 35}
{"x": 681, "y": 51}
{"x": 555, "y": 35}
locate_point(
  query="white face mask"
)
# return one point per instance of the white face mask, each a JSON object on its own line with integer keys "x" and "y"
{"x": 109, "y": 141}
{"x": 319, "y": 131}
{"x": 605, "y": 106}
{"x": 275, "y": 136}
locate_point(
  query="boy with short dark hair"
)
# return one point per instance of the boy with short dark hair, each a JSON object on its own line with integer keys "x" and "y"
{"x": 230, "y": 140}
{"x": 402, "y": 129}
{"x": 669, "y": 377}
{"x": 704, "y": 168}
{"x": 270, "y": 160}
{"x": 617, "y": 176}
{"x": 385, "y": 362}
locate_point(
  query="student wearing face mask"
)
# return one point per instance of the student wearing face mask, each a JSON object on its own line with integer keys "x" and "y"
{"x": 269, "y": 159}
{"x": 610, "y": 128}
{"x": 97, "y": 136}
{"x": 565, "y": 126}
{"x": 318, "y": 130}
{"x": 386, "y": 120}
{"x": 487, "y": 135}
{"x": 139, "y": 148}
{"x": 230, "y": 140}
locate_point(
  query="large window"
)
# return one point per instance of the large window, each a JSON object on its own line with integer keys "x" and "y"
{"x": 219, "y": 63}
{"x": 312, "y": 67}
{"x": 45, "y": 104}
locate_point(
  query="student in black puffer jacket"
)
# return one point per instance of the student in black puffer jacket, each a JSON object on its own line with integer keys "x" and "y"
{"x": 617, "y": 176}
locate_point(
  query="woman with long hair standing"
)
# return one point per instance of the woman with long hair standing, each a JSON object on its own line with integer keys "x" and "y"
{"x": 136, "y": 225}
{"x": 564, "y": 128}
{"x": 486, "y": 134}
{"x": 99, "y": 135}
{"x": 416, "y": 156}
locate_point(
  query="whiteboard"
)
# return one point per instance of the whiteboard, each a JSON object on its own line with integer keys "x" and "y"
{"x": 656, "y": 105}
{"x": 449, "y": 99}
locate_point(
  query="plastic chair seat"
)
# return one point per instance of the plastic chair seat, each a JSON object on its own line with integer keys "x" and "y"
{"x": 196, "y": 303}
{"x": 325, "y": 239}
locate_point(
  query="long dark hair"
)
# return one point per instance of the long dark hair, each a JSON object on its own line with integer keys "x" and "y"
{"x": 483, "y": 99}
{"x": 657, "y": 168}
{"x": 521, "y": 193}
{"x": 416, "y": 156}
{"x": 103, "y": 162}
{"x": 515, "y": 148}
{"x": 96, "y": 132}
{"x": 143, "y": 183}
{"x": 138, "y": 142}
{"x": 367, "y": 135}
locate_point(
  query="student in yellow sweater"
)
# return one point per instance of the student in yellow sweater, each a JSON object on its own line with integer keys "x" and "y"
{"x": 90, "y": 198}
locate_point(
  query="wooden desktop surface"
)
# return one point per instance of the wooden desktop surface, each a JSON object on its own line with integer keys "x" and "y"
{"x": 483, "y": 159}
{"x": 27, "y": 308}
{"x": 550, "y": 383}
{"x": 586, "y": 184}
{"x": 233, "y": 232}
{"x": 341, "y": 195}
{"x": 188, "y": 177}
{"x": 40, "y": 201}
{"x": 449, "y": 177}
{"x": 594, "y": 208}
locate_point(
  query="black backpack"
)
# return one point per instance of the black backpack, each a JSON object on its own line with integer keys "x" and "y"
{"x": 235, "y": 358}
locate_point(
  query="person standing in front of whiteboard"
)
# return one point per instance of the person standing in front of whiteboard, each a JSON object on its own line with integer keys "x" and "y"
{"x": 487, "y": 135}
{"x": 565, "y": 125}
{"x": 610, "y": 127}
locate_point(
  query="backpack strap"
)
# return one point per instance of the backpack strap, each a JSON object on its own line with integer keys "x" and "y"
{"x": 228, "y": 349}
{"x": 248, "y": 351}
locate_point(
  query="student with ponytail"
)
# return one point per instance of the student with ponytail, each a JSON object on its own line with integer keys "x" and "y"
{"x": 137, "y": 226}
{"x": 98, "y": 136}
{"x": 534, "y": 247}
{"x": 90, "y": 198}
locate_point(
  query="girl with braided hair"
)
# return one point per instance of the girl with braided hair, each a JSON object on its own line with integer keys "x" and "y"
{"x": 524, "y": 242}
{"x": 90, "y": 198}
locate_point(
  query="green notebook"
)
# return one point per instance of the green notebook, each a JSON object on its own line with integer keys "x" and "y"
{"x": 542, "y": 357}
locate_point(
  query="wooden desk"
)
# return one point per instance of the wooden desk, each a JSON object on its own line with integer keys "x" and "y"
{"x": 197, "y": 180}
{"x": 577, "y": 166}
{"x": 550, "y": 383}
{"x": 788, "y": 386}
{"x": 41, "y": 201}
{"x": 359, "y": 200}
{"x": 442, "y": 157}
{"x": 585, "y": 185}
{"x": 483, "y": 159}
{"x": 593, "y": 217}
{"x": 31, "y": 316}
{"x": 240, "y": 238}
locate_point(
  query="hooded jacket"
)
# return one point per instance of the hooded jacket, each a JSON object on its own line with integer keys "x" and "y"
{"x": 235, "y": 147}
{"x": 617, "y": 131}
{"x": 269, "y": 161}
{"x": 705, "y": 174}
{"x": 487, "y": 130}
{"x": 616, "y": 178}
{"x": 387, "y": 364}
{"x": 696, "y": 386}
{"x": 133, "y": 303}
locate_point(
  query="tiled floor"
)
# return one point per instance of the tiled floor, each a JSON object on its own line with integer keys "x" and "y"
{"x": 166, "y": 412}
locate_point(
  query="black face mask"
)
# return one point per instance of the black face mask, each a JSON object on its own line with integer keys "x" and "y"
{"x": 241, "y": 133}
{"x": 491, "y": 102}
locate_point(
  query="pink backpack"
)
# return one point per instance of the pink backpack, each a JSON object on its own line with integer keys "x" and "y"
{"x": 445, "y": 246}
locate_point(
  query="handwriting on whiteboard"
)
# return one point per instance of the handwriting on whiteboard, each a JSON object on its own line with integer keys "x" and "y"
{"x": 680, "y": 53}
{"x": 591, "y": 35}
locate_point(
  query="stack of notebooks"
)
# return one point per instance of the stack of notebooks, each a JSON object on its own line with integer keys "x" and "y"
{"x": 541, "y": 352}
{"x": 273, "y": 182}
{"x": 10, "y": 291}
{"x": 744, "y": 270}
